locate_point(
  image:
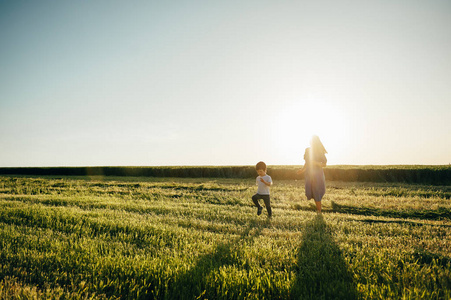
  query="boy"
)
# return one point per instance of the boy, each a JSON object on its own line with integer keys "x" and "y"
{"x": 263, "y": 181}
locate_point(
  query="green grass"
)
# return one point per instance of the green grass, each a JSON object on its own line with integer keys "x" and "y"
{"x": 168, "y": 238}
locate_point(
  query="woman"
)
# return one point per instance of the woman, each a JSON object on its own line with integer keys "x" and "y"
{"x": 315, "y": 161}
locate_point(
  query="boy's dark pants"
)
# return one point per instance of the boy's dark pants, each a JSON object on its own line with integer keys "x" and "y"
{"x": 265, "y": 198}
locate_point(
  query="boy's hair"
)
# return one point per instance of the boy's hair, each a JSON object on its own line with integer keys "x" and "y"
{"x": 260, "y": 166}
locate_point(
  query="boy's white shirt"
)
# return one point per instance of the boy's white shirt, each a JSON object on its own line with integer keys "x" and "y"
{"x": 263, "y": 189}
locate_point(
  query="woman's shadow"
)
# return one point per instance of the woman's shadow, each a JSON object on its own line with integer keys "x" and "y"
{"x": 321, "y": 271}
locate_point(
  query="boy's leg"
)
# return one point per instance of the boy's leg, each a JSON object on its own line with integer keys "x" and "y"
{"x": 255, "y": 200}
{"x": 267, "y": 200}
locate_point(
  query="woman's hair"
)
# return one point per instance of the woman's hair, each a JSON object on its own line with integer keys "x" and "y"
{"x": 316, "y": 144}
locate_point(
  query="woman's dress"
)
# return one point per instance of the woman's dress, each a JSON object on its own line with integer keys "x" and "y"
{"x": 315, "y": 182}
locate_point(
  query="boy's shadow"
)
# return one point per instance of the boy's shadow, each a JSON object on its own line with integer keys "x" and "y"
{"x": 224, "y": 254}
{"x": 321, "y": 271}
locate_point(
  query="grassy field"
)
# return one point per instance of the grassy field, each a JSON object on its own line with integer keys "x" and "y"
{"x": 176, "y": 238}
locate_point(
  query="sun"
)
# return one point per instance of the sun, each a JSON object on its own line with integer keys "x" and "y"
{"x": 295, "y": 124}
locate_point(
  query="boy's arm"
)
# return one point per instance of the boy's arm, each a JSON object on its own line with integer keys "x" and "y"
{"x": 268, "y": 183}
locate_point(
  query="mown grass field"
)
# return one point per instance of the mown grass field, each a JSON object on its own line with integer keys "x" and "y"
{"x": 175, "y": 238}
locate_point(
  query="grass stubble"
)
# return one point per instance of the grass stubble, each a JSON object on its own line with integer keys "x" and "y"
{"x": 163, "y": 238}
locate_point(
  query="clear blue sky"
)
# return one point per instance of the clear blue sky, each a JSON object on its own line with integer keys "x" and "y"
{"x": 112, "y": 83}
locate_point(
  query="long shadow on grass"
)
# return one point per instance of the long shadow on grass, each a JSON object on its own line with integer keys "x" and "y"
{"x": 371, "y": 221}
{"x": 321, "y": 271}
{"x": 194, "y": 283}
{"x": 439, "y": 214}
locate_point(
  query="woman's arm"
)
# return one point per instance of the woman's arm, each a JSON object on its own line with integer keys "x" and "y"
{"x": 319, "y": 164}
{"x": 301, "y": 171}
{"x": 320, "y": 161}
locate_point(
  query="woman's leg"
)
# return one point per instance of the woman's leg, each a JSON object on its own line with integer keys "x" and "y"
{"x": 318, "y": 206}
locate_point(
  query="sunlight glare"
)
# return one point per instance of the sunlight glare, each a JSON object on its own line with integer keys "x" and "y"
{"x": 295, "y": 124}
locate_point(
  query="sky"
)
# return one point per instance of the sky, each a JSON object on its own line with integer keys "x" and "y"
{"x": 167, "y": 83}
